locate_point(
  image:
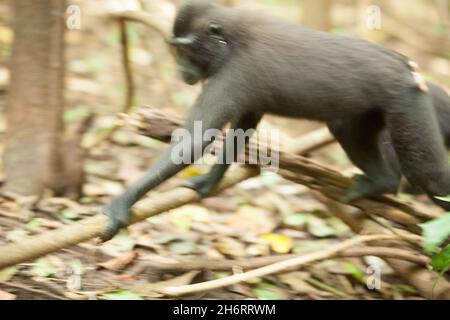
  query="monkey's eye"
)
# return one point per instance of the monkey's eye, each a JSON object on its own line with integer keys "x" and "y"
{"x": 215, "y": 29}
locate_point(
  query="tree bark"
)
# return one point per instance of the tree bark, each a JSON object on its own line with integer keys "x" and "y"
{"x": 32, "y": 157}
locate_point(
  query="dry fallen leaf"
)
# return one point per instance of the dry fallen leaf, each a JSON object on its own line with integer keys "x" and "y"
{"x": 6, "y": 295}
{"x": 258, "y": 249}
{"x": 75, "y": 296}
{"x": 296, "y": 281}
{"x": 182, "y": 217}
{"x": 6, "y": 35}
{"x": 251, "y": 220}
{"x": 230, "y": 247}
{"x": 7, "y": 273}
{"x": 120, "y": 262}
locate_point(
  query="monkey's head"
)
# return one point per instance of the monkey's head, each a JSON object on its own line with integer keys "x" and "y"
{"x": 200, "y": 42}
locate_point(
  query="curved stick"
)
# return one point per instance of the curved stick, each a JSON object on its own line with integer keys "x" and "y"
{"x": 278, "y": 266}
{"x": 35, "y": 246}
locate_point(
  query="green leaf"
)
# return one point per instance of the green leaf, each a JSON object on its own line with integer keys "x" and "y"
{"x": 295, "y": 219}
{"x": 69, "y": 215}
{"x": 77, "y": 266}
{"x": 183, "y": 247}
{"x": 318, "y": 228}
{"x": 221, "y": 274}
{"x": 308, "y": 246}
{"x": 87, "y": 200}
{"x": 43, "y": 268}
{"x": 34, "y": 224}
{"x": 435, "y": 232}
{"x": 121, "y": 295}
{"x": 441, "y": 261}
{"x": 76, "y": 114}
{"x": 355, "y": 272}
{"x": 267, "y": 292}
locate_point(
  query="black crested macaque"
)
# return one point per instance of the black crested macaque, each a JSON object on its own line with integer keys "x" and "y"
{"x": 251, "y": 64}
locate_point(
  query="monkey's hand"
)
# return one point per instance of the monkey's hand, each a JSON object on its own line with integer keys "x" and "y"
{"x": 118, "y": 216}
{"x": 203, "y": 184}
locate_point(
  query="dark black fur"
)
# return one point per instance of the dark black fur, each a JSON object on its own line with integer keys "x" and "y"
{"x": 253, "y": 65}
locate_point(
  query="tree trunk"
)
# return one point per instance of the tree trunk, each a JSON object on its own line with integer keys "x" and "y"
{"x": 317, "y": 14}
{"x": 33, "y": 157}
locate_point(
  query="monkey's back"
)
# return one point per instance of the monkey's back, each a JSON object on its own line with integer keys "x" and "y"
{"x": 311, "y": 66}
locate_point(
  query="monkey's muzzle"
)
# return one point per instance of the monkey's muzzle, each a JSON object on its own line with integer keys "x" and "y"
{"x": 179, "y": 46}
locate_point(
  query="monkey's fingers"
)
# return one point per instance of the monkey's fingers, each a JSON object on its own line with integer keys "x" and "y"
{"x": 111, "y": 230}
{"x": 200, "y": 184}
{"x": 113, "y": 227}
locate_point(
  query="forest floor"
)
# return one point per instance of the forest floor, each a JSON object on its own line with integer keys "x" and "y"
{"x": 260, "y": 217}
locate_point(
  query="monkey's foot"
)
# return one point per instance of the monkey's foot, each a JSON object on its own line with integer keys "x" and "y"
{"x": 202, "y": 184}
{"x": 367, "y": 187}
{"x": 117, "y": 219}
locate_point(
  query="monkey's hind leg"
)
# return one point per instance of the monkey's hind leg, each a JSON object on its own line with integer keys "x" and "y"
{"x": 359, "y": 138}
{"x": 419, "y": 145}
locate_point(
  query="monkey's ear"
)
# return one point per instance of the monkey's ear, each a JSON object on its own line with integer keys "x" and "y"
{"x": 214, "y": 29}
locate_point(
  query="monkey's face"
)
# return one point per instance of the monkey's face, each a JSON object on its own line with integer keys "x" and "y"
{"x": 199, "y": 43}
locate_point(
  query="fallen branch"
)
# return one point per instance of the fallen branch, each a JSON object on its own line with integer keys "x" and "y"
{"x": 276, "y": 267}
{"x": 35, "y": 246}
{"x": 246, "y": 264}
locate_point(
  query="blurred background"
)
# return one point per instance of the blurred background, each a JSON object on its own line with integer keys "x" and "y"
{"x": 97, "y": 81}
{"x": 64, "y": 152}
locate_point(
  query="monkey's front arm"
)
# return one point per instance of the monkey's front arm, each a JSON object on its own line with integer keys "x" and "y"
{"x": 210, "y": 113}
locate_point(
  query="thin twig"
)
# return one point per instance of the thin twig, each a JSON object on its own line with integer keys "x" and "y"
{"x": 128, "y": 70}
{"x": 276, "y": 267}
{"x": 251, "y": 263}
